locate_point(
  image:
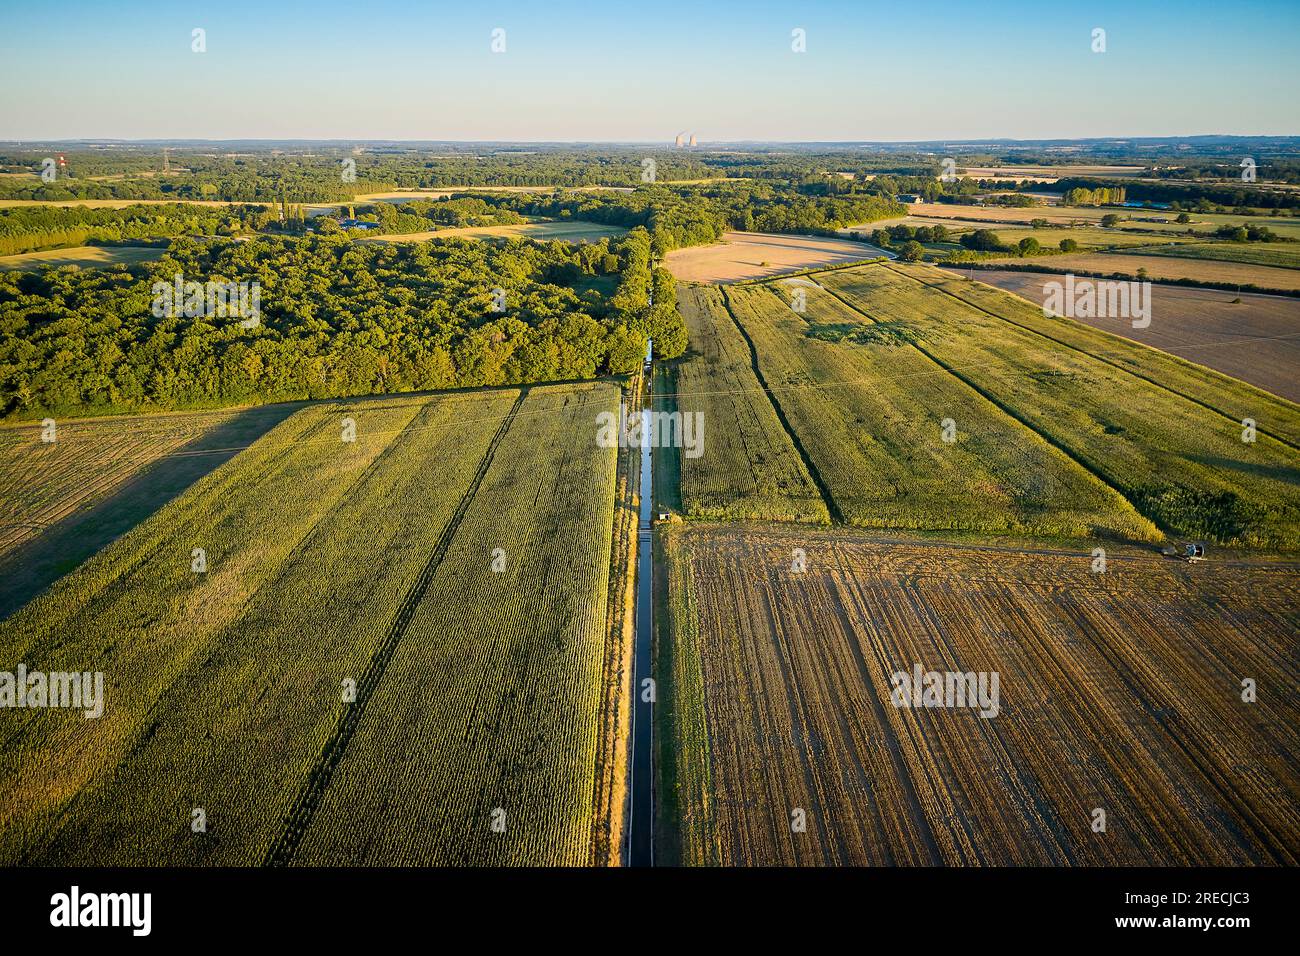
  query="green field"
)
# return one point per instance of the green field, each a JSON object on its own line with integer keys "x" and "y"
{"x": 1164, "y": 434}
{"x": 868, "y": 402}
{"x": 750, "y": 468}
{"x": 62, "y": 501}
{"x": 1086, "y": 238}
{"x": 1283, "y": 254}
{"x": 1222, "y": 394}
{"x": 84, "y": 256}
{"x": 329, "y": 562}
{"x": 1058, "y": 429}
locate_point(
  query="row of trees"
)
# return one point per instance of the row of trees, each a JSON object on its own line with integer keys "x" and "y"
{"x": 424, "y": 215}
{"x": 337, "y": 318}
{"x": 901, "y": 233}
{"x": 1251, "y": 233}
{"x": 986, "y": 240}
{"x": 1100, "y": 196}
{"x": 1200, "y": 197}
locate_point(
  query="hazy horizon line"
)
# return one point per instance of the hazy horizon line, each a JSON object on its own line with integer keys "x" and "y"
{"x": 974, "y": 141}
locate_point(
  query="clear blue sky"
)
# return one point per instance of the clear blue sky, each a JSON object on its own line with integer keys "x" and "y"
{"x": 371, "y": 69}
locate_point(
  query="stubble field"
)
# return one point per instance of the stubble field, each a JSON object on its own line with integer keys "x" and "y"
{"x": 752, "y": 255}
{"x": 1119, "y": 692}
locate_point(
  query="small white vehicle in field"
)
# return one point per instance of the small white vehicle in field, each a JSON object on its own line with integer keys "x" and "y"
{"x": 1191, "y": 552}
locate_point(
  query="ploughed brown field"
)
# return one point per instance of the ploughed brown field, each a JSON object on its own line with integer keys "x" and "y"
{"x": 1120, "y": 692}
{"x": 1256, "y": 340}
{"x": 752, "y": 255}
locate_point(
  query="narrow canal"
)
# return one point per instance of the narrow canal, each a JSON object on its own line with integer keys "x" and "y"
{"x": 641, "y": 810}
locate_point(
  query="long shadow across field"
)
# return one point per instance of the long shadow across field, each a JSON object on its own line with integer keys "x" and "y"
{"x": 37, "y": 563}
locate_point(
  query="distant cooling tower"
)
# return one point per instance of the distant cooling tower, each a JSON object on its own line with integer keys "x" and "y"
{"x": 692, "y": 139}
{"x": 681, "y": 139}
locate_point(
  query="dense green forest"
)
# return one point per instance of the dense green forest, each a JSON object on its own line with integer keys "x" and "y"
{"x": 337, "y": 318}
{"x": 419, "y": 215}
{"x": 31, "y": 228}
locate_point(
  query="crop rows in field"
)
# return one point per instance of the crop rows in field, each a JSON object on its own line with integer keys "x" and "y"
{"x": 1165, "y": 434}
{"x": 1250, "y": 338}
{"x": 869, "y": 406}
{"x": 1120, "y": 692}
{"x": 66, "y": 500}
{"x": 330, "y": 561}
{"x": 1177, "y": 372}
{"x": 493, "y": 710}
{"x": 41, "y": 482}
{"x": 750, "y": 468}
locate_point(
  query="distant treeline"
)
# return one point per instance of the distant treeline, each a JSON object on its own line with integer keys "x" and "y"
{"x": 33, "y": 228}
{"x": 1273, "y": 169}
{"x": 336, "y": 175}
{"x": 336, "y": 318}
{"x": 1192, "y": 195}
{"x": 695, "y": 215}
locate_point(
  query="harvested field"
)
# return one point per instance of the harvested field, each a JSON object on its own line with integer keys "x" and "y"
{"x": 1119, "y": 692}
{"x": 752, "y": 255}
{"x": 1256, "y": 340}
{"x": 982, "y": 216}
{"x": 239, "y": 697}
{"x": 1168, "y": 267}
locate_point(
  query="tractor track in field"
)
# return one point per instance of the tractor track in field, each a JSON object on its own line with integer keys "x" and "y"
{"x": 304, "y": 808}
{"x": 1003, "y": 407}
{"x": 832, "y": 508}
{"x": 1100, "y": 358}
